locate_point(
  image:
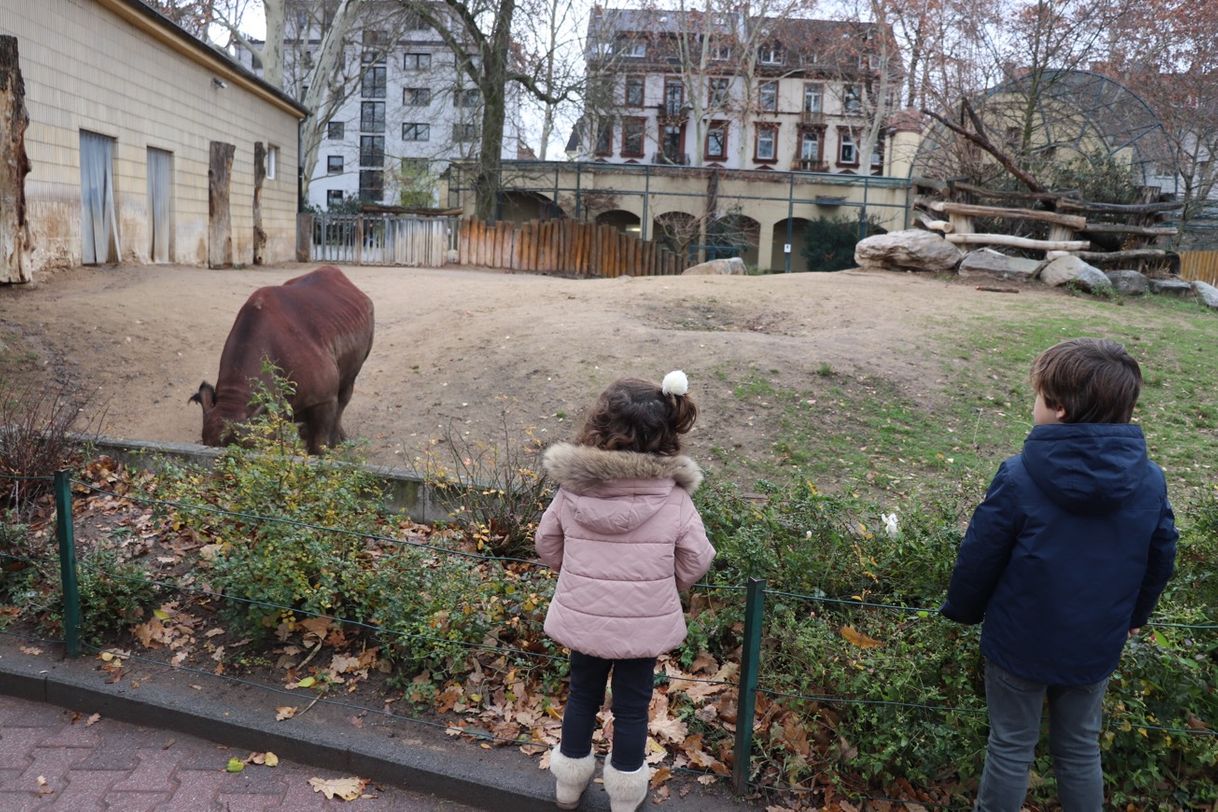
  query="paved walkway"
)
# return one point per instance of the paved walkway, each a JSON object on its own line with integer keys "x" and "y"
{"x": 111, "y": 765}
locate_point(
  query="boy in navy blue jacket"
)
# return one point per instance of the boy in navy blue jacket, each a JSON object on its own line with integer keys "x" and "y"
{"x": 1063, "y": 561}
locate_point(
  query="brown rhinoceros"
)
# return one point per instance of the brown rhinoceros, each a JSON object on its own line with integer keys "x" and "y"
{"x": 317, "y": 329}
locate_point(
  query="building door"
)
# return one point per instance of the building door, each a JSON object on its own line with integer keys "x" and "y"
{"x": 98, "y": 223}
{"x": 160, "y": 204}
{"x": 219, "y": 218}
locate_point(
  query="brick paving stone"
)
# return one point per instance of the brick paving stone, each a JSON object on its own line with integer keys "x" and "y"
{"x": 114, "y": 767}
{"x": 134, "y": 801}
{"x": 85, "y": 791}
{"x": 154, "y": 772}
{"x": 21, "y": 713}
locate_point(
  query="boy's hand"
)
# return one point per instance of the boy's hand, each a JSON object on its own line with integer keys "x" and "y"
{"x": 1134, "y": 632}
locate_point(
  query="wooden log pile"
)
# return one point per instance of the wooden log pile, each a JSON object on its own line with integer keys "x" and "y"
{"x": 1105, "y": 234}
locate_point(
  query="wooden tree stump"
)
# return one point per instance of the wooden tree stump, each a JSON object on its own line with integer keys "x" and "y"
{"x": 15, "y": 241}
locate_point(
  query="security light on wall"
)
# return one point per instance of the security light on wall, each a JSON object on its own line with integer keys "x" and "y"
{"x": 218, "y": 83}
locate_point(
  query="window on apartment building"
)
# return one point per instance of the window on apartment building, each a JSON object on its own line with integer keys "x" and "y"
{"x": 852, "y": 99}
{"x": 372, "y": 150}
{"x": 811, "y": 142}
{"x": 766, "y": 147}
{"x": 877, "y": 157}
{"x": 416, "y": 131}
{"x": 814, "y": 97}
{"x": 371, "y": 185}
{"x": 335, "y": 130}
{"x": 672, "y": 143}
{"x": 771, "y": 54}
{"x": 720, "y": 50}
{"x": 372, "y": 58}
{"x": 465, "y": 132}
{"x": 416, "y": 96}
{"x": 808, "y": 58}
{"x": 416, "y": 62}
{"x": 466, "y": 98}
{"x": 372, "y": 117}
{"x": 847, "y": 150}
{"x": 334, "y": 164}
{"x": 633, "y": 133}
{"x": 604, "y": 136}
{"x": 767, "y": 96}
{"x": 674, "y": 96}
{"x": 635, "y": 49}
{"x": 334, "y": 197}
{"x": 634, "y": 91}
{"x": 716, "y": 141}
{"x": 272, "y": 161}
{"x": 373, "y": 84}
{"x": 412, "y": 21}
{"x": 719, "y": 92}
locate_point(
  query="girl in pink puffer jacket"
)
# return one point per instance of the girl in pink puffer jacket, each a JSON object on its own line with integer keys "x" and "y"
{"x": 625, "y": 538}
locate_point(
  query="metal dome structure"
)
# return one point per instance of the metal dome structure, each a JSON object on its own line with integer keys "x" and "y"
{"x": 1072, "y": 113}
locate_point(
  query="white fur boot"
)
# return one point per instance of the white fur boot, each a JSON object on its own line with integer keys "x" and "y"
{"x": 626, "y": 790}
{"x": 573, "y": 775}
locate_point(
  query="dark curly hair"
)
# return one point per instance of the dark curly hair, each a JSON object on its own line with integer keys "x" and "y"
{"x": 635, "y": 415}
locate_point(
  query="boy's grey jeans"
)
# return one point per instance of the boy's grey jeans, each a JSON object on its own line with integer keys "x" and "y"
{"x": 1015, "y": 706}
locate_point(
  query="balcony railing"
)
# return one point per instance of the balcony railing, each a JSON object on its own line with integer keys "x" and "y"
{"x": 808, "y": 165}
{"x": 672, "y": 110}
{"x": 671, "y": 158}
{"x": 811, "y": 117}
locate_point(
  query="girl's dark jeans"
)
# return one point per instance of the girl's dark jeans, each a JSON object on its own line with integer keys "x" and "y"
{"x": 632, "y": 681}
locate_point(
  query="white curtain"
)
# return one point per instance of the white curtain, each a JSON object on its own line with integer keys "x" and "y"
{"x": 99, "y": 225}
{"x": 160, "y": 186}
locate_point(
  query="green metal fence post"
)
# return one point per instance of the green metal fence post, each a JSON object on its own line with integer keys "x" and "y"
{"x": 67, "y": 563}
{"x": 746, "y": 699}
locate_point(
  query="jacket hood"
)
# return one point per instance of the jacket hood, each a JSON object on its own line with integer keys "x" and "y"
{"x": 579, "y": 468}
{"x": 1087, "y": 468}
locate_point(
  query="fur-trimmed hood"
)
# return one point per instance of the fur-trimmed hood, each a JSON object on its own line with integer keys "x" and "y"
{"x": 579, "y": 468}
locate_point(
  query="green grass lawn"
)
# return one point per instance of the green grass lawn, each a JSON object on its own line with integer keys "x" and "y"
{"x": 867, "y": 435}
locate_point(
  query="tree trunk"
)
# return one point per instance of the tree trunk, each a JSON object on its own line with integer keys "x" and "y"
{"x": 15, "y": 241}
{"x": 272, "y": 51}
{"x": 494, "y": 111}
{"x": 219, "y": 221}
{"x": 259, "y": 177}
{"x": 321, "y": 84}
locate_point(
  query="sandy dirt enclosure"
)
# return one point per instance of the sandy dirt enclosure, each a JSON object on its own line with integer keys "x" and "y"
{"x": 471, "y": 346}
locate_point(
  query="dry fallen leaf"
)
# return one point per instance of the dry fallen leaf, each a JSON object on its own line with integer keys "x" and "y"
{"x": 43, "y": 787}
{"x": 348, "y": 789}
{"x": 92, "y": 720}
{"x": 33, "y": 651}
{"x": 284, "y": 712}
{"x": 857, "y": 638}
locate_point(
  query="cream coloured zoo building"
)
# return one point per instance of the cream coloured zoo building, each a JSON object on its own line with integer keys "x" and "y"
{"x": 144, "y": 144}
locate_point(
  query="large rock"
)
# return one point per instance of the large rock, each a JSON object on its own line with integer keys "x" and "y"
{"x": 1172, "y": 286}
{"x": 1070, "y": 270}
{"x": 997, "y": 265}
{"x": 1128, "y": 283}
{"x": 733, "y": 266}
{"x": 1207, "y": 292}
{"x": 910, "y": 250}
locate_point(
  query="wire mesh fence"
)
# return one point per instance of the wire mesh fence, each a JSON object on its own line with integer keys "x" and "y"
{"x": 757, "y": 679}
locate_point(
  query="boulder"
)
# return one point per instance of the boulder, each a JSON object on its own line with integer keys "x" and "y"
{"x": 996, "y": 265}
{"x": 1070, "y": 270}
{"x": 1172, "y": 286}
{"x": 1128, "y": 283}
{"x": 1207, "y": 292}
{"x": 733, "y": 266}
{"x": 909, "y": 250}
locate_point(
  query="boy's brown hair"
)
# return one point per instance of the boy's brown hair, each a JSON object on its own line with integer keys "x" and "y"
{"x": 636, "y": 415}
{"x": 1094, "y": 380}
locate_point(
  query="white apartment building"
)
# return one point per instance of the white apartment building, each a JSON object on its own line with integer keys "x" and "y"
{"x": 798, "y": 100}
{"x": 407, "y": 109}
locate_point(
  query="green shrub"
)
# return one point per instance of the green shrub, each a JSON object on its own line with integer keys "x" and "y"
{"x": 829, "y": 241}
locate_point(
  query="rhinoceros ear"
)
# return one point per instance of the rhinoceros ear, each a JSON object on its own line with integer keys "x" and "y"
{"x": 205, "y": 397}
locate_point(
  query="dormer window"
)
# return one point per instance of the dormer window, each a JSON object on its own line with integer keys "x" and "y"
{"x": 634, "y": 49}
{"x": 770, "y": 55}
{"x": 720, "y": 51}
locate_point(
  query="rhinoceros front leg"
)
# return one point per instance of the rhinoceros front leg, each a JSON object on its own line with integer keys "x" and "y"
{"x": 319, "y": 425}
